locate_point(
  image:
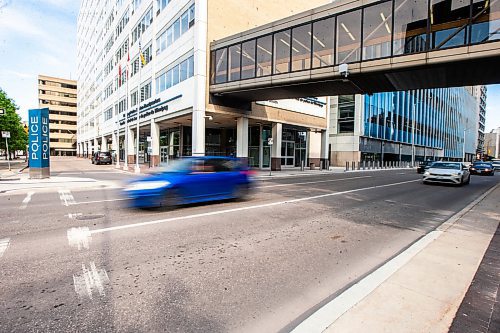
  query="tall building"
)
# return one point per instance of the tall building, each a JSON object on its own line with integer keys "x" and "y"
{"x": 482, "y": 119}
{"x": 404, "y": 126}
{"x": 60, "y": 96}
{"x": 492, "y": 143}
{"x": 143, "y": 73}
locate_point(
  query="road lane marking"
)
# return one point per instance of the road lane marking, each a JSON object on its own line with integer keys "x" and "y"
{"x": 79, "y": 237}
{"x": 4, "y": 244}
{"x": 74, "y": 216}
{"x": 323, "y": 318}
{"x": 66, "y": 197}
{"x": 26, "y": 200}
{"x": 319, "y": 181}
{"x": 97, "y": 201}
{"x": 90, "y": 281}
{"x": 232, "y": 210}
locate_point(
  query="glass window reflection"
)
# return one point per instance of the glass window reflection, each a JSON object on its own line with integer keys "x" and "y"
{"x": 281, "y": 52}
{"x": 410, "y": 26}
{"x": 221, "y": 65}
{"x": 248, "y": 60}
{"x": 485, "y": 21}
{"x": 234, "y": 62}
{"x": 348, "y": 37}
{"x": 322, "y": 42}
{"x": 449, "y": 20}
{"x": 264, "y": 55}
{"x": 301, "y": 48}
{"x": 377, "y": 29}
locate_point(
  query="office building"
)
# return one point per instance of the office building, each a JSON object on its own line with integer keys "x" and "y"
{"x": 60, "y": 97}
{"x": 143, "y": 73}
{"x": 481, "y": 92}
{"x": 404, "y": 126}
{"x": 492, "y": 143}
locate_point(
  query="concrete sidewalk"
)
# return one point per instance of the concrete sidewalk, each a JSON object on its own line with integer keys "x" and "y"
{"x": 425, "y": 291}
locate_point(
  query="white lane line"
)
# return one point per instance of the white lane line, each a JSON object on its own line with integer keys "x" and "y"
{"x": 66, "y": 197}
{"x": 324, "y": 317}
{"x": 134, "y": 225}
{"x": 315, "y": 182}
{"x": 4, "y": 244}
{"x": 26, "y": 200}
{"x": 79, "y": 237}
{"x": 74, "y": 216}
{"x": 90, "y": 281}
{"x": 97, "y": 201}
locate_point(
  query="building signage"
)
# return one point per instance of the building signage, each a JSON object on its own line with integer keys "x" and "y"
{"x": 39, "y": 143}
{"x": 6, "y": 134}
{"x": 148, "y": 109}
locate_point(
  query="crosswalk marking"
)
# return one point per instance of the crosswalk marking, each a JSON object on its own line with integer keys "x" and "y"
{"x": 66, "y": 197}
{"x": 26, "y": 200}
{"x": 4, "y": 244}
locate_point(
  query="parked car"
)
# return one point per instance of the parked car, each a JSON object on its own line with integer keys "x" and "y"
{"x": 496, "y": 164}
{"x": 482, "y": 168}
{"x": 191, "y": 180}
{"x": 447, "y": 172}
{"x": 102, "y": 157}
{"x": 423, "y": 166}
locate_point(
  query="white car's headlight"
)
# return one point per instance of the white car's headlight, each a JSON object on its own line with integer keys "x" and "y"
{"x": 152, "y": 185}
{"x": 427, "y": 173}
{"x": 455, "y": 174}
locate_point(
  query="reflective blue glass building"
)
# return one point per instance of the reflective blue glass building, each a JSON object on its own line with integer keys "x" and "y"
{"x": 431, "y": 124}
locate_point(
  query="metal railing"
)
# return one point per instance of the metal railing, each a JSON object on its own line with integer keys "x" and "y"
{"x": 376, "y": 165}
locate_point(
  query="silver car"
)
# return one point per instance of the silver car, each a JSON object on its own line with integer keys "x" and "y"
{"x": 496, "y": 164}
{"x": 447, "y": 172}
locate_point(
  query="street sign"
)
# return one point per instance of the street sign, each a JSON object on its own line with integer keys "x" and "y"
{"x": 39, "y": 143}
{"x": 6, "y": 134}
{"x": 2, "y": 112}
{"x": 150, "y": 150}
{"x": 148, "y": 139}
{"x": 270, "y": 141}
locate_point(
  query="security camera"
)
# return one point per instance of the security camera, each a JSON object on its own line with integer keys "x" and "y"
{"x": 344, "y": 70}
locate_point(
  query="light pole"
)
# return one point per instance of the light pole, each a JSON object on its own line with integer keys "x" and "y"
{"x": 463, "y": 146}
{"x": 413, "y": 133}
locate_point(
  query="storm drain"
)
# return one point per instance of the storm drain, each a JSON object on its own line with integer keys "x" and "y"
{"x": 85, "y": 217}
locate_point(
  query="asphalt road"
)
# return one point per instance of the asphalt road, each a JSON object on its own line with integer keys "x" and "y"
{"x": 261, "y": 265}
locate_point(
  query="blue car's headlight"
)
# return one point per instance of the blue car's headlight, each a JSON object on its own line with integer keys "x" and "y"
{"x": 152, "y": 185}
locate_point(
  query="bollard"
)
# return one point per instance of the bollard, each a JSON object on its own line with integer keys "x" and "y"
{"x": 353, "y": 165}
{"x": 346, "y": 166}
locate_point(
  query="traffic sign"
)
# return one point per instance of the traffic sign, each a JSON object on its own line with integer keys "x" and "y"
{"x": 270, "y": 141}
{"x": 150, "y": 150}
{"x": 2, "y": 112}
{"x": 6, "y": 134}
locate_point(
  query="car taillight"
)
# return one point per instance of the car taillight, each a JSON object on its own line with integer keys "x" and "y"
{"x": 248, "y": 172}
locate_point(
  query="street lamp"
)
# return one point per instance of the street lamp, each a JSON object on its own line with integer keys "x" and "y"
{"x": 463, "y": 145}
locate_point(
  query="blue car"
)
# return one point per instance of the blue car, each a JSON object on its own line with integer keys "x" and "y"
{"x": 191, "y": 180}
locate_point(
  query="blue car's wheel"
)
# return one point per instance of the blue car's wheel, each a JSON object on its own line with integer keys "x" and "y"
{"x": 242, "y": 191}
{"x": 171, "y": 198}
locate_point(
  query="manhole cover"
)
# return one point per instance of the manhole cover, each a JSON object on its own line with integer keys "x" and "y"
{"x": 89, "y": 217}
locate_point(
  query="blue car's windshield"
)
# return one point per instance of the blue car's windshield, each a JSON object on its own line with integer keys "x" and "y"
{"x": 482, "y": 165}
{"x": 441, "y": 165}
{"x": 181, "y": 165}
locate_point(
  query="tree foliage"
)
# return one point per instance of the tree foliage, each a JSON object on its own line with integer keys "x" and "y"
{"x": 11, "y": 122}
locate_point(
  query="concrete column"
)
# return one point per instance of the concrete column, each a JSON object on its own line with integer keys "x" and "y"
{"x": 78, "y": 149}
{"x": 85, "y": 149}
{"x": 89, "y": 149}
{"x": 155, "y": 143}
{"x": 116, "y": 148}
{"x": 242, "y": 138}
{"x": 200, "y": 78}
{"x": 104, "y": 144}
{"x": 325, "y": 141}
{"x": 131, "y": 146}
{"x": 96, "y": 145}
{"x": 276, "y": 148}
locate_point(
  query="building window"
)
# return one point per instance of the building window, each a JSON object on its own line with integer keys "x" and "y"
{"x": 346, "y": 114}
{"x": 133, "y": 98}
{"x": 143, "y": 25}
{"x": 410, "y": 26}
{"x": 108, "y": 114}
{"x": 264, "y": 55}
{"x": 248, "y": 60}
{"x": 281, "y": 52}
{"x": 348, "y": 37}
{"x": 377, "y": 29}
{"x": 301, "y": 48}
{"x": 221, "y": 65}
{"x": 322, "y": 42}
{"x": 449, "y": 22}
{"x": 161, "y": 4}
{"x": 175, "y": 30}
{"x": 122, "y": 24}
{"x": 146, "y": 91}
{"x": 234, "y": 62}
{"x": 176, "y": 74}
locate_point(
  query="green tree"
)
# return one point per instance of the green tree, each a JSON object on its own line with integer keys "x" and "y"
{"x": 11, "y": 122}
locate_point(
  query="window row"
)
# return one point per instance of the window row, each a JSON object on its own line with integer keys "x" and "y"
{"x": 175, "y": 75}
{"x": 386, "y": 29}
{"x": 137, "y": 61}
{"x": 122, "y": 51}
{"x": 143, "y": 25}
{"x": 122, "y": 24}
{"x": 108, "y": 114}
{"x": 175, "y": 30}
{"x": 161, "y": 4}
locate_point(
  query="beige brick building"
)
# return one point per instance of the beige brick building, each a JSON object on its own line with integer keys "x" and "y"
{"x": 59, "y": 96}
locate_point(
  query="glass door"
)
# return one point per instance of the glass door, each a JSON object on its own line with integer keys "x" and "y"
{"x": 288, "y": 154}
{"x": 164, "y": 156}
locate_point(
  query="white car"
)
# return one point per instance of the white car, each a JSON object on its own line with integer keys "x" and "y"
{"x": 447, "y": 172}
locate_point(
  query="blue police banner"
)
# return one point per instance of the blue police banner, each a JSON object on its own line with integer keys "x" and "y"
{"x": 39, "y": 143}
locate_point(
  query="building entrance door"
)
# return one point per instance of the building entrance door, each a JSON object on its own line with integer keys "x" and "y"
{"x": 164, "y": 156}
{"x": 288, "y": 153}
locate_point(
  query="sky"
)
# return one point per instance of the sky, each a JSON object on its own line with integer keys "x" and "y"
{"x": 39, "y": 37}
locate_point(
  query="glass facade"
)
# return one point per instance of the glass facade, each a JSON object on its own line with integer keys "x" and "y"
{"x": 385, "y": 29}
{"x": 433, "y": 118}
